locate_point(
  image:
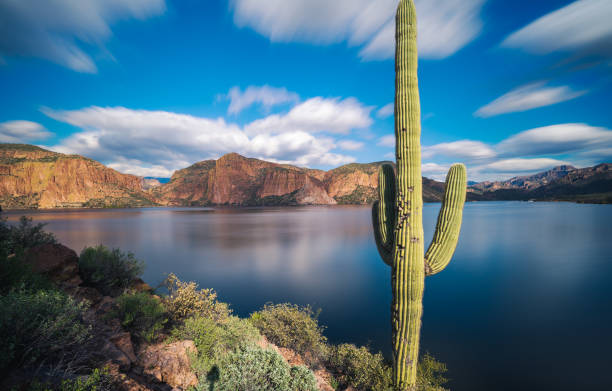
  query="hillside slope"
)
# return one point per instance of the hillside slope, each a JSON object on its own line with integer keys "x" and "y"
{"x": 32, "y": 177}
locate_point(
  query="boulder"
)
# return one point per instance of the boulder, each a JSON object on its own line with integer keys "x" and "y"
{"x": 169, "y": 363}
{"x": 56, "y": 261}
{"x": 123, "y": 342}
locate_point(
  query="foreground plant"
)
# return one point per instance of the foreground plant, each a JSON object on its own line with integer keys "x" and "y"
{"x": 397, "y": 217}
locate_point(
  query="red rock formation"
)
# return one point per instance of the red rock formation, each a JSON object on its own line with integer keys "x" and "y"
{"x": 31, "y": 177}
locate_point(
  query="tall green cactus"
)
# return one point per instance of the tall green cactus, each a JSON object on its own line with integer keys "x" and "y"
{"x": 397, "y": 216}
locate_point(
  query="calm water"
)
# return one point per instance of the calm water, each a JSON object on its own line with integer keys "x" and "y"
{"x": 525, "y": 304}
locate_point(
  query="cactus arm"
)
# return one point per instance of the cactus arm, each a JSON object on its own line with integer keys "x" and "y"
{"x": 384, "y": 213}
{"x": 445, "y": 238}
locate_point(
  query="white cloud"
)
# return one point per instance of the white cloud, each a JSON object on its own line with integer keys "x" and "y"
{"x": 583, "y": 25}
{"x": 51, "y": 29}
{"x": 265, "y": 95}
{"x": 350, "y": 145}
{"x": 445, "y": 26}
{"x": 386, "y": 111}
{"x": 460, "y": 149}
{"x": 431, "y": 169}
{"x": 387, "y": 141}
{"x": 317, "y": 115}
{"x": 528, "y": 97}
{"x": 556, "y": 139}
{"x": 155, "y": 143}
{"x": 22, "y": 131}
{"x": 520, "y": 165}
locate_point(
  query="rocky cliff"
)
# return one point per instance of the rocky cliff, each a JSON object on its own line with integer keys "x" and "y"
{"x": 32, "y": 177}
{"x": 239, "y": 181}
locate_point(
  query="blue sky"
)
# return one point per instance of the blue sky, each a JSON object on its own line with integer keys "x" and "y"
{"x": 151, "y": 86}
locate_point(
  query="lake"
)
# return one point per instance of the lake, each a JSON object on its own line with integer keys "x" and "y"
{"x": 525, "y": 304}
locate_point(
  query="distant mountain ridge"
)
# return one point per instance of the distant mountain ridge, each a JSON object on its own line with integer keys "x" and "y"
{"x": 32, "y": 177}
{"x": 562, "y": 183}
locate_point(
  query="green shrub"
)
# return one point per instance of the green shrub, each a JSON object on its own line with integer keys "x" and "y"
{"x": 40, "y": 325}
{"x": 185, "y": 300}
{"x": 302, "y": 379}
{"x": 213, "y": 340}
{"x": 142, "y": 314}
{"x": 17, "y": 275}
{"x": 110, "y": 271}
{"x": 293, "y": 327}
{"x": 24, "y": 235}
{"x": 431, "y": 374}
{"x": 359, "y": 368}
{"x": 251, "y": 368}
{"x": 98, "y": 380}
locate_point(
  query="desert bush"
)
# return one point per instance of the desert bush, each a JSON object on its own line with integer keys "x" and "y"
{"x": 302, "y": 379}
{"x": 140, "y": 313}
{"x": 185, "y": 300}
{"x": 24, "y": 235}
{"x": 97, "y": 380}
{"x": 213, "y": 340}
{"x": 431, "y": 374}
{"x": 109, "y": 270}
{"x": 359, "y": 368}
{"x": 18, "y": 275}
{"x": 40, "y": 326}
{"x": 251, "y": 368}
{"x": 293, "y": 327}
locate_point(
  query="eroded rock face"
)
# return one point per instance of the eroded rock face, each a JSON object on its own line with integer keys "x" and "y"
{"x": 169, "y": 363}
{"x": 236, "y": 180}
{"x": 31, "y": 177}
{"x": 56, "y": 261}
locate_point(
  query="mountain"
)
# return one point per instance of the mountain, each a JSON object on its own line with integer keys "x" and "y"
{"x": 239, "y": 181}
{"x": 32, "y": 177}
{"x": 563, "y": 183}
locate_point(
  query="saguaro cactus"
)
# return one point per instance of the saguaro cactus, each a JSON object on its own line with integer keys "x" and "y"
{"x": 397, "y": 216}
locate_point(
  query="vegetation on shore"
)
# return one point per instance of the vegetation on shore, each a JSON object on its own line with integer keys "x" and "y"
{"x": 49, "y": 338}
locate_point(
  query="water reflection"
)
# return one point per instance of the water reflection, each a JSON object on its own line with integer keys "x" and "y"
{"x": 524, "y": 304}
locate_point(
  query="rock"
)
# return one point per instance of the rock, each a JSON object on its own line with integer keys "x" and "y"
{"x": 123, "y": 342}
{"x": 112, "y": 352}
{"x": 169, "y": 363}
{"x": 56, "y": 261}
{"x": 323, "y": 380}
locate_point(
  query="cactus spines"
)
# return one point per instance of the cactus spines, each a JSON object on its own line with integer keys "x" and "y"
{"x": 397, "y": 216}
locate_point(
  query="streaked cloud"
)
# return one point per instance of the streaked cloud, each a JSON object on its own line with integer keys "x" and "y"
{"x": 460, "y": 149}
{"x": 22, "y": 131}
{"x": 386, "y": 111}
{"x": 529, "y": 151}
{"x": 315, "y": 115}
{"x": 515, "y": 166}
{"x": 265, "y": 95}
{"x": 528, "y": 97}
{"x": 54, "y": 29}
{"x": 387, "y": 141}
{"x": 582, "y": 26}
{"x": 555, "y": 140}
{"x": 445, "y": 26}
{"x": 136, "y": 141}
{"x": 350, "y": 145}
